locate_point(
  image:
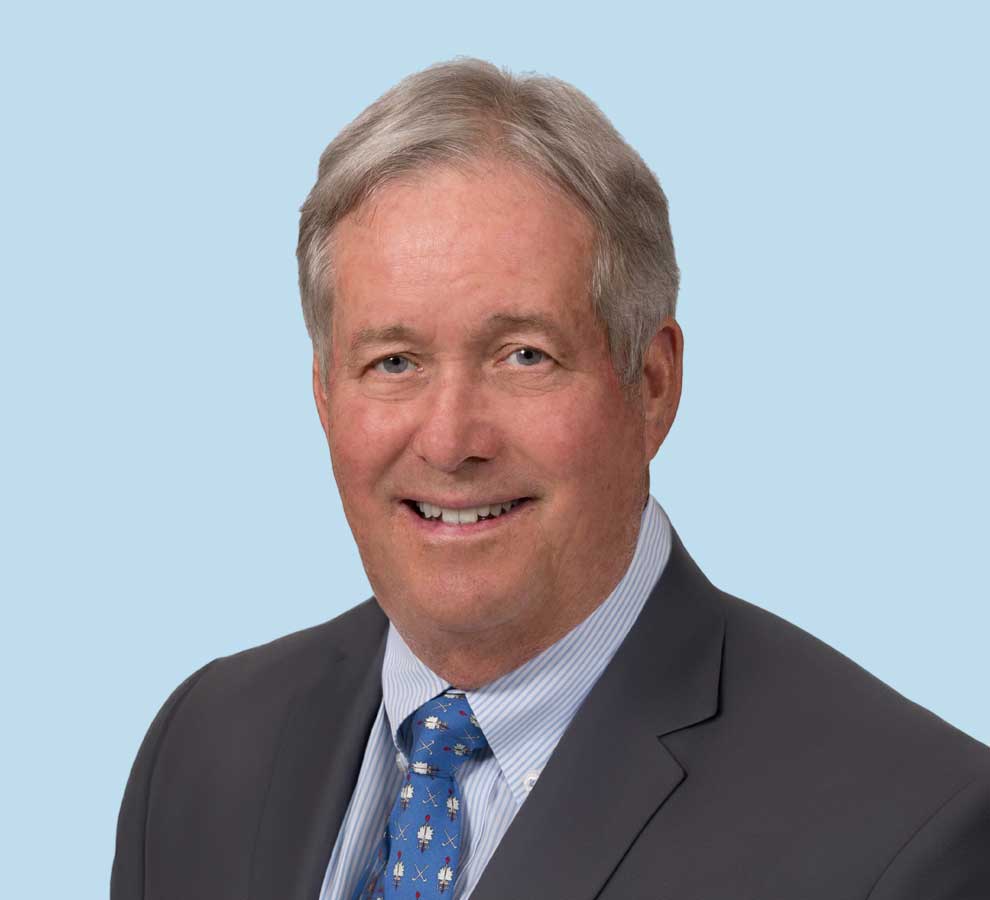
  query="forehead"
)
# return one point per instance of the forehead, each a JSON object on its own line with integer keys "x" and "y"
{"x": 477, "y": 240}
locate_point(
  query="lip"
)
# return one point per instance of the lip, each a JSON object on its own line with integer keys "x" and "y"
{"x": 461, "y": 504}
{"x": 438, "y": 529}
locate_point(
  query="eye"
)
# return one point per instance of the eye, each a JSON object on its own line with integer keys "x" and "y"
{"x": 392, "y": 365}
{"x": 528, "y": 356}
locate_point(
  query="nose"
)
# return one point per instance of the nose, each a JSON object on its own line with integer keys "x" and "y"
{"x": 457, "y": 425}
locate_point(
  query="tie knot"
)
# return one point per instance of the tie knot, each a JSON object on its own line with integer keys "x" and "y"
{"x": 445, "y": 733}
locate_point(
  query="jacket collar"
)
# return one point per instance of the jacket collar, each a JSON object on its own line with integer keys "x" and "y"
{"x": 586, "y": 809}
{"x": 317, "y": 762}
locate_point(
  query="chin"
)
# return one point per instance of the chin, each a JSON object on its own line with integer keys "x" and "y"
{"x": 449, "y": 610}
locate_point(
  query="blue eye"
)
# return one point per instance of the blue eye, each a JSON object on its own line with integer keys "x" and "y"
{"x": 386, "y": 365}
{"x": 528, "y": 356}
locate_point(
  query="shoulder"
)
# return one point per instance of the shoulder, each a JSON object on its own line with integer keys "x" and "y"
{"x": 200, "y": 776}
{"x": 295, "y": 661}
{"x": 829, "y": 756}
{"x": 808, "y": 708}
{"x": 241, "y": 701}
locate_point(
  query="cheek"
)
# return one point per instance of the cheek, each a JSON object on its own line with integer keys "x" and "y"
{"x": 364, "y": 439}
{"x": 582, "y": 435}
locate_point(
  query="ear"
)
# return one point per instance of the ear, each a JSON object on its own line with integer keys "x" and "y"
{"x": 660, "y": 384}
{"x": 320, "y": 395}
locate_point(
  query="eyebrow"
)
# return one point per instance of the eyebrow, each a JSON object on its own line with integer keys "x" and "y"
{"x": 497, "y": 323}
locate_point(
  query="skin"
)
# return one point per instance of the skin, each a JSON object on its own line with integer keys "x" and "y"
{"x": 459, "y": 410}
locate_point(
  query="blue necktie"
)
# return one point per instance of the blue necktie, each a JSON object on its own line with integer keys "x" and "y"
{"x": 419, "y": 854}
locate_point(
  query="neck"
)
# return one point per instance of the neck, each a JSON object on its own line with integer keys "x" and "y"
{"x": 481, "y": 660}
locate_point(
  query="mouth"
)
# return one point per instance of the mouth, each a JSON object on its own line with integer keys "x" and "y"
{"x": 465, "y": 520}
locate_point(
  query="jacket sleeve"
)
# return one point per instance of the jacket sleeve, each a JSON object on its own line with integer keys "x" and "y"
{"x": 948, "y": 857}
{"x": 127, "y": 874}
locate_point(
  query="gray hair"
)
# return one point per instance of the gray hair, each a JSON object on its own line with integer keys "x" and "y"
{"x": 454, "y": 113}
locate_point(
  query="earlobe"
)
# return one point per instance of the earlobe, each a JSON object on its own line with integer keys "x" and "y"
{"x": 661, "y": 380}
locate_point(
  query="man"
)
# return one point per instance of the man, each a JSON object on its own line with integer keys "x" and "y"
{"x": 545, "y": 697}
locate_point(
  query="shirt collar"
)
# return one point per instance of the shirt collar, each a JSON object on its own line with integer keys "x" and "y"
{"x": 524, "y": 713}
{"x": 407, "y": 683}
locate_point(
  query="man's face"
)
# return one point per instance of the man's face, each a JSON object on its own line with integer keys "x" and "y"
{"x": 468, "y": 370}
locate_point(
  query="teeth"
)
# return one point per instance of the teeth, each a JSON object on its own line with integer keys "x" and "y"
{"x": 464, "y": 516}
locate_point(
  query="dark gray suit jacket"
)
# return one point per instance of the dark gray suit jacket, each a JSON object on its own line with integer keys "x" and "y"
{"x": 723, "y": 755}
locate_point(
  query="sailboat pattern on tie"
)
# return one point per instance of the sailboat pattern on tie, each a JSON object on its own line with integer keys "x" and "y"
{"x": 419, "y": 851}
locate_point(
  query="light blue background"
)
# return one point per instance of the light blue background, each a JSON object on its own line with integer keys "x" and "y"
{"x": 166, "y": 490}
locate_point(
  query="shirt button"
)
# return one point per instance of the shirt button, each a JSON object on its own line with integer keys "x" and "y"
{"x": 530, "y": 779}
{"x": 401, "y": 761}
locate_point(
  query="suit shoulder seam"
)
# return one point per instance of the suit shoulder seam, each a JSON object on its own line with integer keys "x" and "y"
{"x": 280, "y": 741}
{"x": 179, "y": 698}
{"x": 934, "y": 814}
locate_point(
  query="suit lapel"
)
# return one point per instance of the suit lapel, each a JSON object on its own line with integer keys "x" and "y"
{"x": 317, "y": 764}
{"x": 610, "y": 773}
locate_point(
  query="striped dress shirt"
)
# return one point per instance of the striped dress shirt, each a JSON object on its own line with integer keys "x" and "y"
{"x": 523, "y": 715}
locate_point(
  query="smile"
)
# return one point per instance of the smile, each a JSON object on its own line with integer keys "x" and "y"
{"x": 447, "y": 518}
